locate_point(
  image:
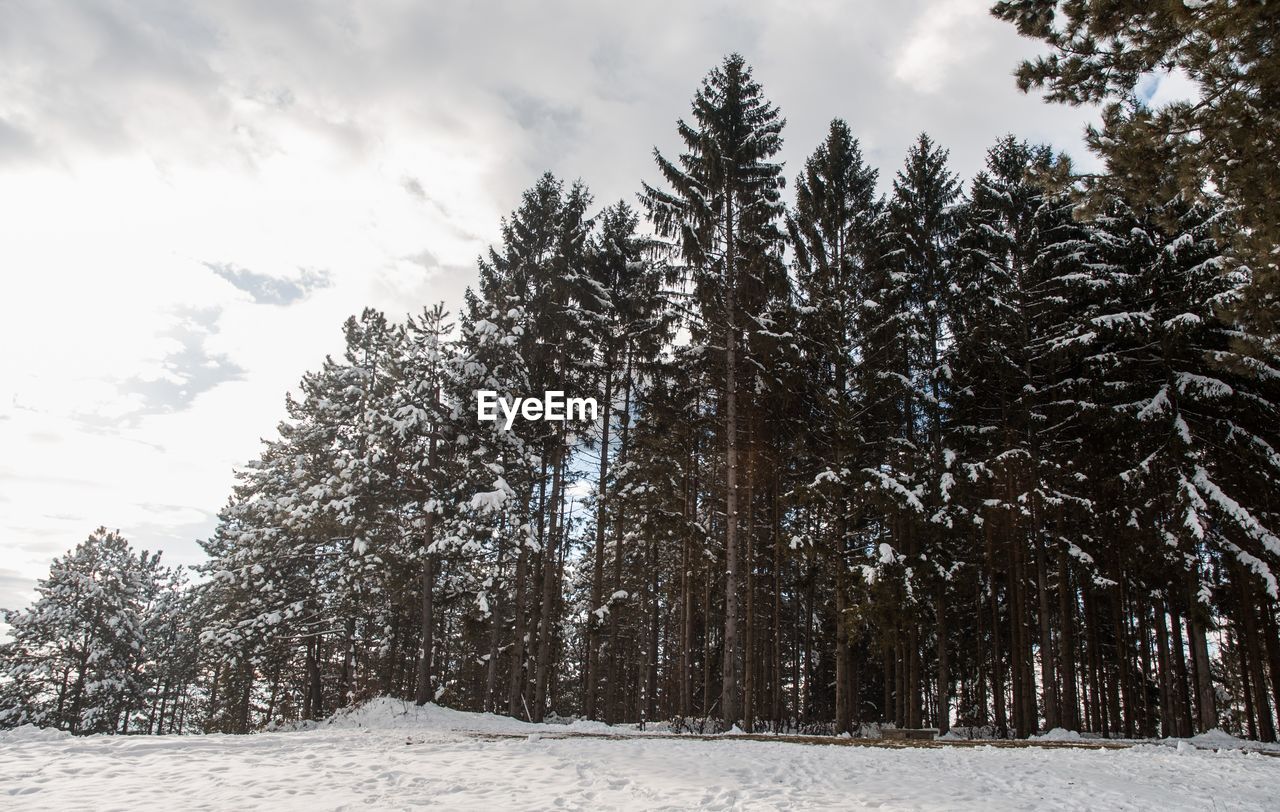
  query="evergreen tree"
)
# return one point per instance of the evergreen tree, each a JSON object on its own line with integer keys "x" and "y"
{"x": 1223, "y": 139}
{"x": 722, "y": 211}
{"x": 75, "y": 658}
{"x": 1196, "y": 416}
{"x": 908, "y": 358}
{"x": 1016, "y": 405}
{"x": 836, "y": 235}
{"x": 628, "y": 324}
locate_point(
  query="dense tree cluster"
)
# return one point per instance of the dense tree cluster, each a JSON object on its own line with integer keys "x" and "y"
{"x": 957, "y": 454}
{"x": 107, "y": 647}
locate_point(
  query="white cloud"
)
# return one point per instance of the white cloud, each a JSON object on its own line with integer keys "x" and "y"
{"x": 944, "y": 36}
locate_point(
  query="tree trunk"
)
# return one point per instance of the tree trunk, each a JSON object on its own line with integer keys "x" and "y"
{"x": 1249, "y": 627}
{"x": 778, "y": 559}
{"x": 515, "y": 685}
{"x": 597, "y": 571}
{"x": 1164, "y": 665}
{"x": 613, "y": 701}
{"x": 686, "y": 594}
{"x": 1208, "y": 711}
{"x": 1181, "y": 692}
{"x": 840, "y": 569}
{"x": 423, "y": 693}
{"x": 943, "y": 712}
{"x": 1066, "y": 643}
{"x": 731, "y": 675}
{"x": 490, "y": 703}
{"x": 1272, "y": 642}
{"x": 550, "y": 584}
{"x": 997, "y": 656}
{"x": 1048, "y": 671}
{"x": 749, "y": 678}
{"x": 651, "y": 675}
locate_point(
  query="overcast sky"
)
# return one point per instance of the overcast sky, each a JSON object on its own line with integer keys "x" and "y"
{"x": 194, "y": 196}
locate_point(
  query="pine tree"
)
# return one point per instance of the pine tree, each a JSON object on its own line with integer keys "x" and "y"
{"x": 835, "y": 232}
{"x": 1191, "y": 409}
{"x": 75, "y": 657}
{"x": 420, "y": 425}
{"x": 627, "y": 323}
{"x": 1224, "y": 139}
{"x": 910, "y": 380}
{"x": 172, "y": 629}
{"x": 1016, "y": 421}
{"x": 722, "y": 211}
{"x": 539, "y": 290}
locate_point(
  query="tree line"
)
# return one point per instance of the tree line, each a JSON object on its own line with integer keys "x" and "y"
{"x": 996, "y": 455}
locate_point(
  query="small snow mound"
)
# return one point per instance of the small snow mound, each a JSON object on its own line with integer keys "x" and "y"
{"x": 1217, "y": 738}
{"x": 385, "y": 713}
{"x": 951, "y": 736}
{"x": 31, "y": 733}
{"x": 1058, "y": 734}
{"x": 734, "y": 731}
{"x": 588, "y": 726}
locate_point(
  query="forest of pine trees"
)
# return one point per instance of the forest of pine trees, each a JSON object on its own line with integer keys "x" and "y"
{"x": 962, "y": 454}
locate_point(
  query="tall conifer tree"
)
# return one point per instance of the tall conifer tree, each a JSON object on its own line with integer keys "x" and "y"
{"x": 723, "y": 210}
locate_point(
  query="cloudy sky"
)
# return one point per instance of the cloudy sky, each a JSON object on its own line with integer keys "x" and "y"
{"x": 194, "y": 196}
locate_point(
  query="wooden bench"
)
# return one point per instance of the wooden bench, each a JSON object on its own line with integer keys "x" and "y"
{"x": 909, "y": 733}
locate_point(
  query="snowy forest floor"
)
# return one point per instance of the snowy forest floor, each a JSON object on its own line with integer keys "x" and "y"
{"x": 387, "y": 755}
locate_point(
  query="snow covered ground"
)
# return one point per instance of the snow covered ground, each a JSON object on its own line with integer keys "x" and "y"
{"x": 382, "y": 757}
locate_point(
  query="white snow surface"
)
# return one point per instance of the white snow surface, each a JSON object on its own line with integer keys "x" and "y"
{"x": 31, "y": 733}
{"x": 1218, "y": 738}
{"x": 1058, "y": 734}
{"x": 389, "y": 755}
